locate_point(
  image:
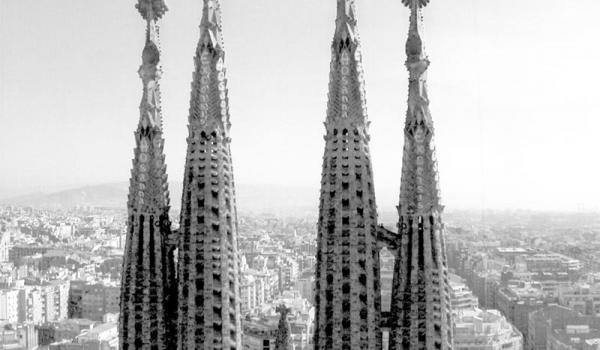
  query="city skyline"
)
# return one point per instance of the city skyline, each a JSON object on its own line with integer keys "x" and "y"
{"x": 526, "y": 129}
{"x": 233, "y": 269}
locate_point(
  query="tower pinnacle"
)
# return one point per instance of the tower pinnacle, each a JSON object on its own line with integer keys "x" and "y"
{"x": 148, "y": 304}
{"x": 209, "y": 102}
{"x": 346, "y": 12}
{"x": 347, "y": 102}
{"x": 210, "y": 25}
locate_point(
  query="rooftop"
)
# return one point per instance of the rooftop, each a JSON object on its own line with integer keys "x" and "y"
{"x": 478, "y": 325}
{"x": 575, "y": 334}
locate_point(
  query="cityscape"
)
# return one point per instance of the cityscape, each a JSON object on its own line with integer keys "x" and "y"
{"x": 208, "y": 263}
{"x": 516, "y": 282}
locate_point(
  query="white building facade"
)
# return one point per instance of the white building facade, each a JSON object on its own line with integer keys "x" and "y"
{"x": 478, "y": 329}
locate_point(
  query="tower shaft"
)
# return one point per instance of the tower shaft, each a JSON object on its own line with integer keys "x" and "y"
{"x": 208, "y": 264}
{"x": 347, "y": 269}
{"x": 147, "y": 305}
{"x": 420, "y": 310}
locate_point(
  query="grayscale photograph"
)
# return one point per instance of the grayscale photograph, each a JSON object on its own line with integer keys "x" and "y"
{"x": 299, "y": 175}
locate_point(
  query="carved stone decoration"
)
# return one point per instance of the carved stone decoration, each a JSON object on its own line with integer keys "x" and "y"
{"x": 421, "y": 3}
{"x": 208, "y": 263}
{"x": 420, "y": 316}
{"x": 283, "y": 341}
{"x": 148, "y": 290}
{"x": 151, "y": 9}
{"x": 347, "y": 295}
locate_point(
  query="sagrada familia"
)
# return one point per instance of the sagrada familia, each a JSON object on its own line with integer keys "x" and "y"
{"x": 180, "y": 288}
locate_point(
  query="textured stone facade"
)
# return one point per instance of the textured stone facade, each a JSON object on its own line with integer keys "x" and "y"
{"x": 200, "y": 309}
{"x": 208, "y": 264}
{"x": 420, "y": 315}
{"x": 147, "y": 290}
{"x": 347, "y": 295}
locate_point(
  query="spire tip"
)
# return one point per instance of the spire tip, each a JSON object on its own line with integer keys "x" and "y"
{"x": 346, "y": 11}
{"x": 151, "y": 9}
{"x": 420, "y": 3}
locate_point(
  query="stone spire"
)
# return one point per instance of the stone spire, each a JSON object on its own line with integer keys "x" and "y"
{"x": 347, "y": 283}
{"x": 347, "y": 101}
{"x": 210, "y": 25}
{"x": 284, "y": 331}
{"x": 420, "y": 315}
{"x": 148, "y": 301}
{"x": 208, "y": 264}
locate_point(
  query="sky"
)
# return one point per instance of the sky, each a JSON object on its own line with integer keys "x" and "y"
{"x": 513, "y": 86}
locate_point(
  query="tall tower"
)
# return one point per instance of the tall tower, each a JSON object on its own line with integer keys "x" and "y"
{"x": 208, "y": 265}
{"x": 347, "y": 294}
{"x": 420, "y": 314}
{"x": 148, "y": 301}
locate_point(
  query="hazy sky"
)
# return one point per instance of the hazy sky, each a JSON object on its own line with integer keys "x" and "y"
{"x": 513, "y": 87}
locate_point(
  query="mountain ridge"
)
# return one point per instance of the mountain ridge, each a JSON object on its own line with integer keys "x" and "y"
{"x": 279, "y": 200}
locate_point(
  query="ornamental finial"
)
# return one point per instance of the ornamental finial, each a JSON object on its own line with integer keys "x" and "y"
{"x": 414, "y": 44}
{"x": 211, "y": 14}
{"x": 420, "y": 3}
{"x": 283, "y": 310}
{"x": 210, "y": 24}
{"x": 345, "y": 10}
{"x": 151, "y": 10}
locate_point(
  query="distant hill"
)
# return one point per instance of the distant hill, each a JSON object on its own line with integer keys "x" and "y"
{"x": 105, "y": 195}
{"x": 290, "y": 201}
{"x": 281, "y": 200}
